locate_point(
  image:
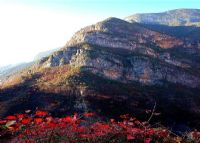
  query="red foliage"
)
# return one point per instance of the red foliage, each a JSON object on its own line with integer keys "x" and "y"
{"x": 41, "y": 113}
{"x": 196, "y": 136}
{"x": 89, "y": 114}
{"x": 147, "y": 140}
{"x": 26, "y": 121}
{"x": 67, "y": 119}
{"x": 21, "y": 116}
{"x": 2, "y": 122}
{"x": 130, "y": 137}
{"x": 38, "y": 120}
{"x": 11, "y": 118}
{"x": 40, "y": 127}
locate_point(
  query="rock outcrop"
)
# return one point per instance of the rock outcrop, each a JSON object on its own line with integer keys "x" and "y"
{"x": 145, "y": 59}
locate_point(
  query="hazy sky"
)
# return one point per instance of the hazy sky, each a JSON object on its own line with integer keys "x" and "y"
{"x": 28, "y": 27}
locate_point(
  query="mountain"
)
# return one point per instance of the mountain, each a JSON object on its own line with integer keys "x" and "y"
{"x": 187, "y": 33}
{"x": 4, "y": 68}
{"x": 112, "y": 67}
{"x": 44, "y": 54}
{"x": 178, "y": 17}
{"x": 12, "y": 69}
{"x": 9, "y": 70}
{"x": 118, "y": 35}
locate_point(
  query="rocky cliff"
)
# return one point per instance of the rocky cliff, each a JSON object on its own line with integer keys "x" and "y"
{"x": 145, "y": 58}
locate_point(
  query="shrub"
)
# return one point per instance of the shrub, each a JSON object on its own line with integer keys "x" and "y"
{"x": 41, "y": 127}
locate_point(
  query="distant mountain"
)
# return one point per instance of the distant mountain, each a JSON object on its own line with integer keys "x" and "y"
{"x": 44, "y": 54}
{"x": 113, "y": 67}
{"x": 11, "y": 69}
{"x": 180, "y": 23}
{"x": 4, "y": 68}
{"x": 189, "y": 33}
{"x": 178, "y": 17}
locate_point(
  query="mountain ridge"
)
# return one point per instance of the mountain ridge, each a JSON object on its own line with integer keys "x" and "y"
{"x": 177, "y": 17}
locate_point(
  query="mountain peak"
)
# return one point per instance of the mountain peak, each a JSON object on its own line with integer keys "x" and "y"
{"x": 113, "y": 20}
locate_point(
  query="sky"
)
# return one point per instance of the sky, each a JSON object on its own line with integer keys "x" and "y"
{"x": 28, "y": 27}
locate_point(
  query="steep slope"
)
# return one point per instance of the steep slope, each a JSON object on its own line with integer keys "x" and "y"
{"x": 189, "y": 33}
{"x": 117, "y": 33}
{"x": 181, "y": 23}
{"x": 145, "y": 59}
{"x": 178, "y": 17}
{"x": 112, "y": 68}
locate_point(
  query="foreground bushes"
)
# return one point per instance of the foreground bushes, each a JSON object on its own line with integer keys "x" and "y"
{"x": 40, "y": 127}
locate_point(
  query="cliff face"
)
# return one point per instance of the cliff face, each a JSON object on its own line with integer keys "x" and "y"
{"x": 127, "y": 52}
{"x": 116, "y": 33}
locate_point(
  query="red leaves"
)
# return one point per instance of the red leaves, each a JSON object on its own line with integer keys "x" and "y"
{"x": 3, "y": 122}
{"x": 67, "y": 119}
{"x": 49, "y": 119}
{"x": 40, "y": 125}
{"x": 147, "y": 140}
{"x": 26, "y": 121}
{"x": 51, "y": 125}
{"x": 103, "y": 126}
{"x": 20, "y": 116}
{"x": 112, "y": 120}
{"x": 196, "y": 136}
{"x": 163, "y": 133}
{"x": 80, "y": 130}
{"x": 41, "y": 113}
{"x": 130, "y": 137}
{"x": 11, "y": 118}
{"x": 150, "y": 132}
{"x": 38, "y": 120}
{"x": 89, "y": 114}
{"x": 126, "y": 116}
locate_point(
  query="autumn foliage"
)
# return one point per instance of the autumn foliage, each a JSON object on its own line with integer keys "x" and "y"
{"x": 41, "y": 127}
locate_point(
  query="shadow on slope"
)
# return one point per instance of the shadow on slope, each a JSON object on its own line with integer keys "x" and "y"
{"x": 175, "y": 103}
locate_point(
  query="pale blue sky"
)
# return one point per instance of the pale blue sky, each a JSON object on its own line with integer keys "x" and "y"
{"x": 30, "y": 26}
{"x": 115, "y": 7}
{"x": 120, "y": 8}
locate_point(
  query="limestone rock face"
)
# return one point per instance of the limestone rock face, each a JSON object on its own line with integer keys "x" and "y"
{"x": 127, "y": 52}
{"x": 145, "y": 59}
{"x": 116, "y": 33}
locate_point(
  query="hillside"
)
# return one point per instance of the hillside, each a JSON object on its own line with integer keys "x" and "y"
{"x": 187, "y": 33}
{"x": 112, "y": 67}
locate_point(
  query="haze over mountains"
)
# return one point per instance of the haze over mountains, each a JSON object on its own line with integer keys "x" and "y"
{"x": 115, "y": 67}
{"x": 8, "y": 70}
{"x": 178, "y": 17}
{"x": 181, "y": 23}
